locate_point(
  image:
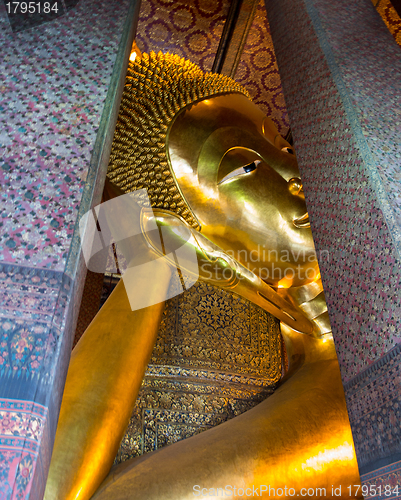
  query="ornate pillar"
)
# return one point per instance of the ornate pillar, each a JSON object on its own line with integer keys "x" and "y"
{"x": 341, "y": 74}
{"x": 61, "y": 85}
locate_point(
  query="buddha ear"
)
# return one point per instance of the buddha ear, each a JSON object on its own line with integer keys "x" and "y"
{"x": 184, "y": 247}
{"x": 171, "y": 238}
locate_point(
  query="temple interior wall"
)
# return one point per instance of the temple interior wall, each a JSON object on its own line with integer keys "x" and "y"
{"x": 340, "y": 74}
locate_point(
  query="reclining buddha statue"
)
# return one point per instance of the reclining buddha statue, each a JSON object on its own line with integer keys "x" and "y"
{"x": 216, "y": 170}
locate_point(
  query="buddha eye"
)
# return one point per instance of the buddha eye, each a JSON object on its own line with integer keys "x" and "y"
{"x": 288, "y": 150}
{"x": 245, "y": 169}
{"x": 251, "y": 166}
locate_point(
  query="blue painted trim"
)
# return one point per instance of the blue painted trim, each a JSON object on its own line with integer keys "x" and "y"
{"x": 371, "y": 370}
{"x": 366, "y": 470}
{"x": 381, "y": 471}
{"x": 364, "y": 149}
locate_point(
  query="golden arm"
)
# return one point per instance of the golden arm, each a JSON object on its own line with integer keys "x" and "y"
{"x": 103, "y": 380}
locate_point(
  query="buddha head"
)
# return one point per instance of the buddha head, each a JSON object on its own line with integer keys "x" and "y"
{"x": 205, "y": 152}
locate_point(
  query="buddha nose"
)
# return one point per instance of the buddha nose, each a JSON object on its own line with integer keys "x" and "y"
{"x": 295, "y": 187}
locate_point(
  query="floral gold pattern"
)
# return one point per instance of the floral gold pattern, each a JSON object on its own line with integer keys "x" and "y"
{"x": 216, "y": 356}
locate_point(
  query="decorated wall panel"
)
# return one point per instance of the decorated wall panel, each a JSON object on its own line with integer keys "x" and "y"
{"x": 191, "y": 30}
{"x": 216, "y": 356}
{"x": 55, "y": 82}
{"x": 258, "y": 71}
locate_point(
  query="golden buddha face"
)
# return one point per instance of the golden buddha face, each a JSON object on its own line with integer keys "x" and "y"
{"x": 241, "y": 181}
